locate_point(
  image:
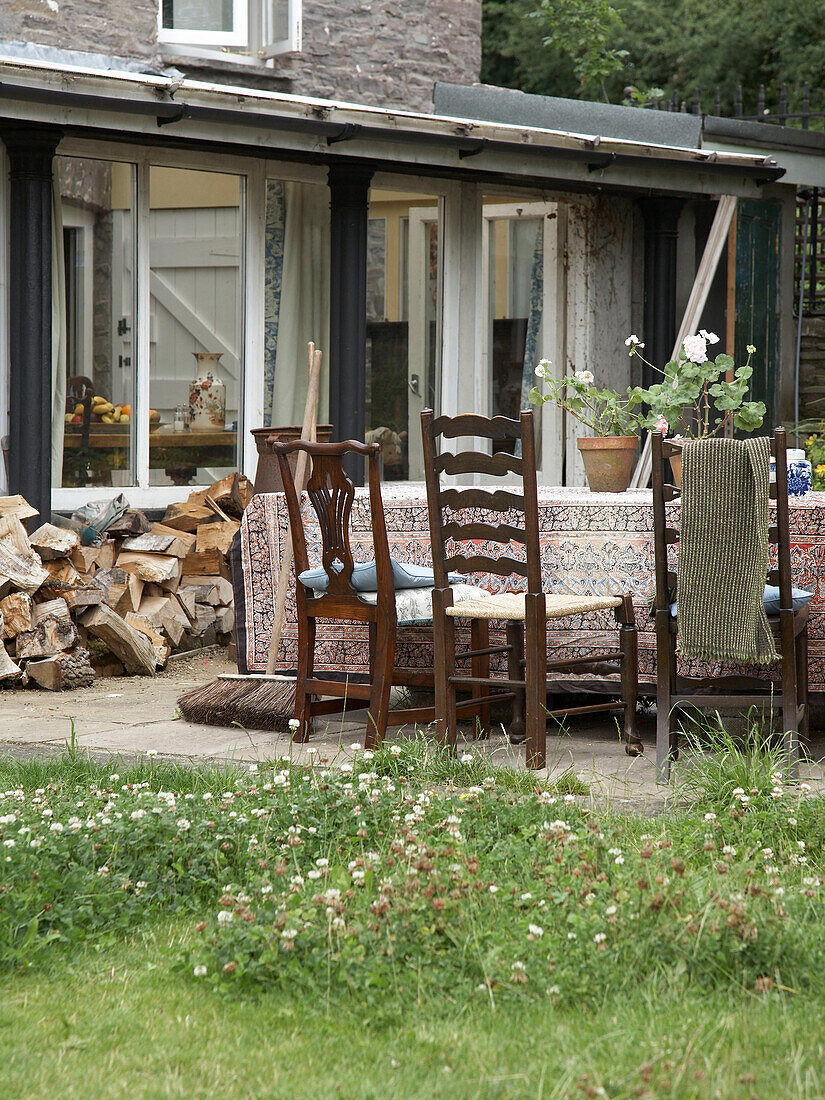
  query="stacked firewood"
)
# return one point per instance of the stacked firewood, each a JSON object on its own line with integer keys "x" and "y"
{"x": 69, "y": 612}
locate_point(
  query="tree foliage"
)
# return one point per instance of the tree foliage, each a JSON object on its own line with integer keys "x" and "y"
{"x": 595, "y": 48}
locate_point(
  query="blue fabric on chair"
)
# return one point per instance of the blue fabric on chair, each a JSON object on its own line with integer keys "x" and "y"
{"x": 365, "y": 579}
{"x": 770, "y": 600}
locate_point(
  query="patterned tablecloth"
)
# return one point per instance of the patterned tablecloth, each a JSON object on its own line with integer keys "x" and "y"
{"x": 591, "y": 543}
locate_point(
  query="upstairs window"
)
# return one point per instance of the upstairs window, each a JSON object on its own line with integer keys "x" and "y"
{"x": 250, "y": 31}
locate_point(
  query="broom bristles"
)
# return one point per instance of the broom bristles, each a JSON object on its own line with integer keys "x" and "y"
{"x": 267, "y": 705}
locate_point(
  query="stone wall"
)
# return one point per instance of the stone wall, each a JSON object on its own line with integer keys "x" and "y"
{"x": 386, "y": 53}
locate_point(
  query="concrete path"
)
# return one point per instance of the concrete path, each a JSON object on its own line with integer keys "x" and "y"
{"x": 128, "y": 715}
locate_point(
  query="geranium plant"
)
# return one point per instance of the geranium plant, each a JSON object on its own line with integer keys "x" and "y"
{"x": 607, "y": 412}
{"x": 698, "y": 396}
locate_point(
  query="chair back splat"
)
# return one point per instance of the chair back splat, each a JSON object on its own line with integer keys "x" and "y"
{"x": 727, "y": 692}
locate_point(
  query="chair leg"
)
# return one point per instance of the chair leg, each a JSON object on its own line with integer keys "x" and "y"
{"x": 381, "y": 661}
{"x": 535, "y": 675}
{"x": 306, "y": 667}
{"x": 480, "y": 639}
{"x": 628, "y": 645}
{"x": 790, "y": 687}
{"x": 802, "y": 682}
{"x": 446, "y": 717}
{"x": 515, "y": 671}
{"x": 666, "y": 747}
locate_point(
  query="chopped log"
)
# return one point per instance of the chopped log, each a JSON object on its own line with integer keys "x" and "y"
{"x": 203, "y": 593}
{"x": 164, "y": 617}
{"x": 217, "y": 535}
{"x": 204, "y": 618}
{"x": 61, "y": 573}
{"x": 18, "y": 507}
{"x": 131, "y": 595}
{"x": 224, "y": 619}
{"x": 186, "y": 516}
{"x": 54, "y": 542}
{"x": 170, "y": 586}
{"x": 159, "y": 643}
{"x": 85, "y": 558}
{"x": 86, "y": 596}
{"x": 105, "y": 578}
{"x": 64, "y": 671}
{"x": 50, "y": 636}
{"x": 186, "y": 598}
{"x": 206, "y": 563}
{"x": 106, "y": 554}
{"x": 221, "y": 586}
{"x": 51, "y": 609}
{"x": 155, "y": 568}
{"x": 8, "y": 669}
{"x": 127, "y": 644}
{"x": 18, "y": 614}
{"x": 12, "y": 528}
{"x": 23, "y": 572}
{"x": 232, "y": 493}
{"x": 157, "y": 544}
{"x": 186, "y": 537}
{"x": 132, "y": 522}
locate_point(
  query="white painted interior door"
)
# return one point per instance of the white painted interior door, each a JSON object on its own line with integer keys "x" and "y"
{"x": 424, "y": 313}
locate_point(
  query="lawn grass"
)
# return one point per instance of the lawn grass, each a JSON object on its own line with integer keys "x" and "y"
{"x": 119, "y": 1023}
{"x": 407, "y": 925}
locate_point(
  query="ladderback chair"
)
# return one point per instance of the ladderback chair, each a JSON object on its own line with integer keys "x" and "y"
{"x": 461, "y": 542}
{"x": 331, "y": 494}
{"x": 727, "y": 692}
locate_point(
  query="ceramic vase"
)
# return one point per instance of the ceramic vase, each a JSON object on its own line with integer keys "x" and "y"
{"x": 207, "y": 395}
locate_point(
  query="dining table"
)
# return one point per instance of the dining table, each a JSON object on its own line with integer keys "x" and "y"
{"x": 590, "y": 543}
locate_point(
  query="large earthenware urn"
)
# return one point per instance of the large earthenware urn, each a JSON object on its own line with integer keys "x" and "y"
{"x": 608, "y": 461}
{"x": 207, "y": 395}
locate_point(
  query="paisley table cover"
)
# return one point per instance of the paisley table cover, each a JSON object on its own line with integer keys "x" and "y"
{"x": 591, "y": 543}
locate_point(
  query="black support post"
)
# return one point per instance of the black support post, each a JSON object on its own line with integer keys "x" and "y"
{"x": 31, "y": 151}
{"x": 349, "y": 191}
{"x": 661, "y": 233}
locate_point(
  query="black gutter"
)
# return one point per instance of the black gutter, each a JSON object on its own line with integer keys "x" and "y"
{"x": 169, "y": 112}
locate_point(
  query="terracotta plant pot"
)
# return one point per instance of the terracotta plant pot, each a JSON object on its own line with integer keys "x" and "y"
{"x": 608, "y": 461}
{"x": 676, "y": 470}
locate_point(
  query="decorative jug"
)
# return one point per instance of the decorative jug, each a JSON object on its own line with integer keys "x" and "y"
{"x": 207, "y": 395}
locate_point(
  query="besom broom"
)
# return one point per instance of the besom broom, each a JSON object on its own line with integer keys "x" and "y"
{"x": 255, "y": 701}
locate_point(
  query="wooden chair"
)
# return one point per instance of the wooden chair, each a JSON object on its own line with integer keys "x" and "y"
{"x": 528, "y": 609}
{"x": 729, "y": 692}
{"x": 331, "y": 494}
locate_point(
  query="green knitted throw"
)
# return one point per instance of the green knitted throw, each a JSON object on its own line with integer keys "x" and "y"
{"x": 723, "y": 551}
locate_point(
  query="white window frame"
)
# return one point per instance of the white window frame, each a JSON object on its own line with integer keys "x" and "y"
{"x": 238, "y": 36}
{"x": 255, "y": 173}
{"x": 550, "y": 456}
{"x": 252, "y": 43}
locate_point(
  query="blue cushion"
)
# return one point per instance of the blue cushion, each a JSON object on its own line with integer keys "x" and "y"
{"x": 770, "y": 599}
{"x": 365, "y": 579}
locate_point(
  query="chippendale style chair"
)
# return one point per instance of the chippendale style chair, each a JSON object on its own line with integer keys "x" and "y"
{"x": 331, "y": 494}
{"x": 523, "y": 611}
{"x": 789, "y": 626}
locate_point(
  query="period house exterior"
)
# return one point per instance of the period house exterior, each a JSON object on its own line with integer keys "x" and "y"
{"x": 228, "y": 179}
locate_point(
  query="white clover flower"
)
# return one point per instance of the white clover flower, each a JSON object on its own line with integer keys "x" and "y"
{"x": 56, "y": 827}
{"x": 728, "y": 850}
{"x": 493, "y": 889}
{"x": 294, "y": 723}
{"x": 619, "y": 860}
{"x": 518, "y": 966}
{"x": 322, "y": 861}
{"x": 266, "y": 888}
{"x": 151, "y": 752}
{"x": 600, "y": 937}
{"x": 199, "y": 971}
{"x": 610, "y": 910}
{"x": 535, "y": 930}
{"x": 466, "y": 758}
{"x": 526, "y": 897}
{"x": 183, "y": 825}
{"x": 141, "y": 884}
{"x": 136, "y": 815}
{"x": 710, "y": 817}
{"x": 113, "y": 778}
{"x": 395, "y": 750}
{"x": 571, "y": 935}
{"x": 9, "y": 843}
{"x": 226, "y": 916}
{"x": 279, "y": 780}
{"x": 368, "y": 755}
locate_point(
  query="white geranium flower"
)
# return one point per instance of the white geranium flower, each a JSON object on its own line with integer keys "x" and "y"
{"x": 710, "y": 337}
{"x": 585, "y": 376}
{"x": 631, "y": 340}
{"x": 696, "y": 348}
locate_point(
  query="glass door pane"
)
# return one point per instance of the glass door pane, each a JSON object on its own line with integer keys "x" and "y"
{"x": 403, "y": 325}
{"x": 93, "y": 270}
{"x": 196, "y": 325}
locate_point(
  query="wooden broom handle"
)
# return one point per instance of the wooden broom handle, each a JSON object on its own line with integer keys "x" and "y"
{"x": 307, "y": 432}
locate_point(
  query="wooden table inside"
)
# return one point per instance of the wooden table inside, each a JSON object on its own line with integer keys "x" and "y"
{"x": 115, "y": 440}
